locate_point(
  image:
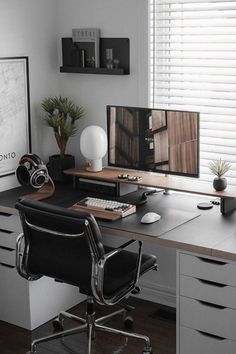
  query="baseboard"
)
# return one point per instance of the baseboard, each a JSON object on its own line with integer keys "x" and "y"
{"x": 157, "y": 293}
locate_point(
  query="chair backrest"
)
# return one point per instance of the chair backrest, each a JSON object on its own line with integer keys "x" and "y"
{"x": 60, "y": 243}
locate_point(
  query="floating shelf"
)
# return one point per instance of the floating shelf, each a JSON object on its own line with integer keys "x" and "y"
{"x": 77, "y": 69}
{"x": 71, "y": 56}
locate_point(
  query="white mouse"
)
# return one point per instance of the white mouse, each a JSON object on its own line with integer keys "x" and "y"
{"x": 150, "y": 217}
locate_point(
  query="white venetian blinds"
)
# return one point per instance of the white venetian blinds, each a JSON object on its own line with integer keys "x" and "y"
{"x": 193, "y": 67}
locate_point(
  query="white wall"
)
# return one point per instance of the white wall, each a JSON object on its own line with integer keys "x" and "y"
{"x": 34, "y": 28}
{"x": 29, "y": 28}
{"x": 115, "y": 19}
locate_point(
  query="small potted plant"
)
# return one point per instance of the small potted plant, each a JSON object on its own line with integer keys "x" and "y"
{"x": 61, "y": 116}
{"x": 219, "y": 168}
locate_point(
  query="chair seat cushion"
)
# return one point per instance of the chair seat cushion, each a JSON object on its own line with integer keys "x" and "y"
{"x": 120, "y": 270}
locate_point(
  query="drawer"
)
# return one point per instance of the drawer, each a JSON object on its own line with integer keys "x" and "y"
{"x": 216, "y": 293}
{"x": 195, "y": 342}
{"x": 14, "y": 304}
{"x": 10, "y": 222}
{"x": 208, "y": 269}
{"x": 8, "y": 256}
{"x": 8, "y": 238}
{"x": 213, "y": 319}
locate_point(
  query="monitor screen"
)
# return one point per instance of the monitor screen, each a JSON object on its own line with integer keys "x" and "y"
{"x": 155, "y": 140}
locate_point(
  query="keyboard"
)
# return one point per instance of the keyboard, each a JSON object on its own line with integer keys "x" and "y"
{"x": 104, "y": 209}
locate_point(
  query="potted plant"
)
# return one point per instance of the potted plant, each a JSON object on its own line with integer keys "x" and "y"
{"x": 61, "y": 116}
{"x": 219, "y": 168}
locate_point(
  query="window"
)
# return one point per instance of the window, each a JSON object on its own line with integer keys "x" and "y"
{"x": 193, "y": 67}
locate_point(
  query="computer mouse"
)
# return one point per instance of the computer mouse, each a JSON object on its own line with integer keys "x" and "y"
{"x": 150, "y": 217}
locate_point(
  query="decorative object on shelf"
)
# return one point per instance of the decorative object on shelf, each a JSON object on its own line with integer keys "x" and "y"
{"x": 116, "y": 63}
{"x": 219, "y": 168}
{"x": 86, "y": 41}
{"x": 61, "y": 116}
{"x": 14, "y": 113}
{"x": 33, "y": 172}
{"x": 109, "y": 58}
{"x": 78, "y": 59}
{"x": 93, "y": 146}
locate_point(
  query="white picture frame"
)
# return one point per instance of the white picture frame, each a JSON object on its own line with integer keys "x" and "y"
{"x": 15, "y": 137}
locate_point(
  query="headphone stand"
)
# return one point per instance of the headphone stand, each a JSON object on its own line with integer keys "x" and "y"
{"x": 46, "y": 191}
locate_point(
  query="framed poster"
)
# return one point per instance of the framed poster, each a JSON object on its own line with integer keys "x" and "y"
{"x": 15, "y": 138}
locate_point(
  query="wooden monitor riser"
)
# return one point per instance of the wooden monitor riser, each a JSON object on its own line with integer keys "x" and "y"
{"x": 166, "y": 182}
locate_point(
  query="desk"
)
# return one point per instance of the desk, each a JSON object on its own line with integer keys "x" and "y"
{"x": 208, "y": 235}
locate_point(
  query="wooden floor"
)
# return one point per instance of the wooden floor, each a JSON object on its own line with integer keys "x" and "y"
{"x": 153, "y": 320}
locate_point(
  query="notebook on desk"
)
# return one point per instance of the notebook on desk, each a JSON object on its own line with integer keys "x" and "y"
{"x": 104, "y": 209}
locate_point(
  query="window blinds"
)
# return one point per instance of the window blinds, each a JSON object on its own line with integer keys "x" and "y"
{"x": 193, "y": 67}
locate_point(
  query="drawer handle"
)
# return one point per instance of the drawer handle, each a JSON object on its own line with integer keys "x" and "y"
{"x": 4, "y": 214}
{"x": 212, "y": 261}
{"x": 6, "y": 231}
{"x": 7, "y": 248}
{"x": 6, "y": 265}
{"x": 218, "y": 285}
{"x": 205, "y": 303}
{"x": 211, "y": 335}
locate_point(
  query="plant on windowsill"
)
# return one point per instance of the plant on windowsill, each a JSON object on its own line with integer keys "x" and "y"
{"x": 219, "y": 168}
{"x": 61, "y": 115}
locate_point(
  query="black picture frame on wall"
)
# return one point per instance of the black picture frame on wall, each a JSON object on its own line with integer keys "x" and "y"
{"x": 15, "y": 129}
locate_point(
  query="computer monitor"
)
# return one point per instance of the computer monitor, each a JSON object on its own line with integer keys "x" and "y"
{"x": 145, "y": 139}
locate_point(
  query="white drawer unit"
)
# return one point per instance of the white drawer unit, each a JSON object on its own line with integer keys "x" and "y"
{"x": 214, "y": 319}
{"x": 197, "y": 342}
{"x": 205, "y": 290}
{"x": 8, "y": 238}
{"x": 206, "y": 305}
{"x": 7, "y": 256}
{"x": 23, "y": 303}
{"x": 208, "y": 268}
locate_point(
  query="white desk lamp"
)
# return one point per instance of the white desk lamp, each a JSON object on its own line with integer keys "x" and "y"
{"x": 93, "y": 146}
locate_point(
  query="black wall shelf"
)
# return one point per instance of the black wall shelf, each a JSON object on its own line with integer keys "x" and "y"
{"x": 71, "y": 57}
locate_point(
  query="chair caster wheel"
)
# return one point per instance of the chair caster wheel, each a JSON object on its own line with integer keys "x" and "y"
{"x": 129, "y": 322}
{"x": 148, "y": 350}
{"x": 57, "y": 325}
{"x": 136, "y": 290}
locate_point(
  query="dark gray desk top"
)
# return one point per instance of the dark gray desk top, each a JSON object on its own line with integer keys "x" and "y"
{"x": 182, "y": 225}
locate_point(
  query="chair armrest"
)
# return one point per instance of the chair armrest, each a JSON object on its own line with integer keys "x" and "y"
{"x": 98, "y": 275}
{"x": 21, "y": 255}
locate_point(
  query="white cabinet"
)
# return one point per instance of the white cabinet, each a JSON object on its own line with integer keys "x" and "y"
{"x": 197, "y": 342}
{"x": 23, "y": 303}
{"x": 206, "y": 305}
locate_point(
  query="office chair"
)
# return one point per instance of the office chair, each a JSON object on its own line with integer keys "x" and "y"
{"x": 67, "y": 246}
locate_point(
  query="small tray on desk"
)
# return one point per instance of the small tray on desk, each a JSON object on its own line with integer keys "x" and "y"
{"x": 97, "y": 213}
{"x": 100, "y": 213}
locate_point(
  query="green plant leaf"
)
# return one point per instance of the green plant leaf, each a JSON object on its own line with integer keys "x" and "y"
{"x": 219, "y": 167}
{"x": 61, "y": 115}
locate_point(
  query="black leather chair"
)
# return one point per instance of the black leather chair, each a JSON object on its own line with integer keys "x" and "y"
{"x": 67, "y": 246}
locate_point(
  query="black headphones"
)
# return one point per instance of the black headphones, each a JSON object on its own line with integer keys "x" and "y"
{"x": 32, "y": 171}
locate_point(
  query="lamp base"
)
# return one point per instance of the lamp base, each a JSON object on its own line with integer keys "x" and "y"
{"x": 94, "y": 165}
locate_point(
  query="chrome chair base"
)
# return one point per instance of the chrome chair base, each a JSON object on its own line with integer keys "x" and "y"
{"x": 89, "y": 325}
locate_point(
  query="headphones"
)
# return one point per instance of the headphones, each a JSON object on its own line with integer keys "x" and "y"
{"x": 32, "y": 171}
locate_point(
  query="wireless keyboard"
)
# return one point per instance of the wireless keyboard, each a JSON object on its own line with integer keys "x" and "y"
{"x": 104, "y": 209}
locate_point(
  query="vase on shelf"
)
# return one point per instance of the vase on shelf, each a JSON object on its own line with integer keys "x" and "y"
{"x": 220, "y": 183}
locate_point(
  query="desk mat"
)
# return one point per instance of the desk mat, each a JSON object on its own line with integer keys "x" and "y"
{"x": 170, "y": 219}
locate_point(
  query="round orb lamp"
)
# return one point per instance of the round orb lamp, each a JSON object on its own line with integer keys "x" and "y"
{"x": 93, "y": 146}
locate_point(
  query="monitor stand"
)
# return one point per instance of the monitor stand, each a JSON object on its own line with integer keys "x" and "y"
{"x": 138, "y": 198}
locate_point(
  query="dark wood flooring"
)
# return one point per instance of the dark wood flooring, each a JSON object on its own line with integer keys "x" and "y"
{"x": 156, "y": 321}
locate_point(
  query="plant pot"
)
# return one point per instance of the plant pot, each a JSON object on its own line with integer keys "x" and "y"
{"x": 220, "y": 183}
{"x": 57, "y": 165}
